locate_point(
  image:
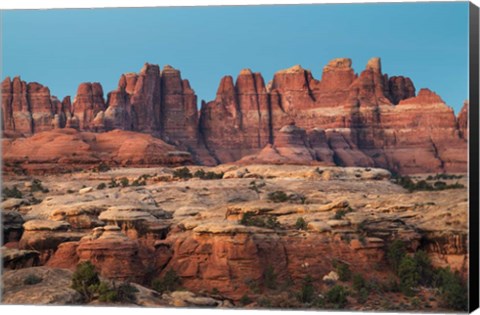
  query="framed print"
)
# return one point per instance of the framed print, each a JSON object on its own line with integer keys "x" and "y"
{"x": 288, "y": 157}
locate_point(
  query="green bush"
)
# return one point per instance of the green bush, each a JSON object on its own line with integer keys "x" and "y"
{"x": 278, "y": 196}
{"x": 101, "y": 186}
{"x": 343, "y": 271}
{"x": 407, "y": 183}
{"x": 337, "y": 296}
{"x": 124, "y": 182}
{"x": 182, "y": 173}
{"x": 169, "y": 282}
{"x": 362, "y": 295}
{"x": 85, "y": 280}
{"x": 453, "y": 290}
{"x": 424, "y": 268}
{"x": 32, "y": 279}
{"x": 12, "y": 193}
{"x": 124, "y": 293}
{"x": 301, "y": 224}
{"x": 139, "y": 182}
{"x": 358, "y": 282}
{"x": 395, "y": 252}
{"x": 265, "y": 221}
{"x": 269, "y": 278}
{"x": 307, "y": 292}
{"x": 37, "y": 186}
{"x": 339, "y": 214}
{"x": 245, "y": 300}
{"x": 113, "y": 183}
{"x": 207, "y": 175}
{"x": 409, "y": 275}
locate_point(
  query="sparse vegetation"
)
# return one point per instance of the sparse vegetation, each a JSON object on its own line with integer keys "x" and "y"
{"x": 444, "y": 176}
{"x": 256, "y": 187}
{"x": 207, "y": 175}
{"x": 395, "y": 252}
{"x": 307, "y": 292}
{"x": 37, "y": 186}
{"x": 407, "y": 183}
{"x": 265, "y": 221}
{"x": 124, "y": 293}
{"x": 169, "y": 282}
{"x": 85, "y": 280}
{"x": 339, "y": 214}
{"x": 343, "y": 270}
{"x": 245, "y": 300}
{"x": 337, "y": 297}
{"x": 101, "y": 186}
{"x": 13, "y": 192}
{"x": 270, "y": 278}
{"x": 182, "y": 173}
{"x": 452, "y": 289}
{"x": 101, "y": 168}
{"x": 124, "y": 182}
{"x": 301, "y": 224}
{"x": 278, "y": 196}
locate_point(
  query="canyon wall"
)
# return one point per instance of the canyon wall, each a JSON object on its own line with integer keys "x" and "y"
{"x": 346, "y": 119}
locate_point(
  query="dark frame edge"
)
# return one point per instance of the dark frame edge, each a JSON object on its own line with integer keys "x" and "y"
{"x": 473, "y": 158}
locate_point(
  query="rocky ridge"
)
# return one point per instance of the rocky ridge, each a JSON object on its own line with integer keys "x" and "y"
{"x": 349, "y": 119}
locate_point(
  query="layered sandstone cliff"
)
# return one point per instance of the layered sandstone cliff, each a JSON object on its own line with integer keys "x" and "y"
{"x": 349, "y": 119}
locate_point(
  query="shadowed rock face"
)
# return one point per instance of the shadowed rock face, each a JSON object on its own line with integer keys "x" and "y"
{"x": 366, "y": 119}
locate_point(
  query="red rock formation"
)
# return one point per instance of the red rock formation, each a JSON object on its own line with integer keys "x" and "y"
{"x": 237, "y": 123}
{"x": 63, "y": 149}
{"x": 400, "y": 88}
{"x": 463, "y": 121}
{"x": 87, "y": 103}
{"x": 366, "y": 120}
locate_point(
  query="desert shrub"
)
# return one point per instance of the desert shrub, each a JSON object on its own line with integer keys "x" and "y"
{"x": 37, "y": 186}
{"x": 124, "y": 182}
{"x": 452, "y": 289}
{"x": 124, "y": 293}
{"x": 32, "y": 279}
{"x": 358, "y": 282}
{"x": 101, "y": 186}
{"x": 102, "y": 167}
{"x": 339, "y": 214}
{"x": 207, "y": 175}
{"x": 307, "y": 291}
{"x": 278, "y": 196}
{"x": 395, "y": 252}
{"x": 407, "y": 183}
{"x": 391, "y": 285}
{"x": 85, "y": 280}
{"x": 139, "y": 182}
{"x": 169, "y": 282}
{"x": 337, "y": 296}
{"x": 409, "y": 275}
{"x": 252, "y": 285}
{"x": 424, "y": 268}
{"x": 439, "y": 185}
{"x": 343, "y": 271}
{"x": 264, "y": 302}
{"x": 245, "y": 300}
{"x": 182, "y": 173}
{"x": 301, "y": 224}
{"x": 270, "y": 278}
{"x": 265, "y": 221}
{"x": 13, "y": 192}
{"x": 362, "y": 295}
{"x": 113, "y": 183}
{"x": 297, "y": 198}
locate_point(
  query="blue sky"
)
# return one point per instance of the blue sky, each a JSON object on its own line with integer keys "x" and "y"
{"x": 61, "y": 48}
